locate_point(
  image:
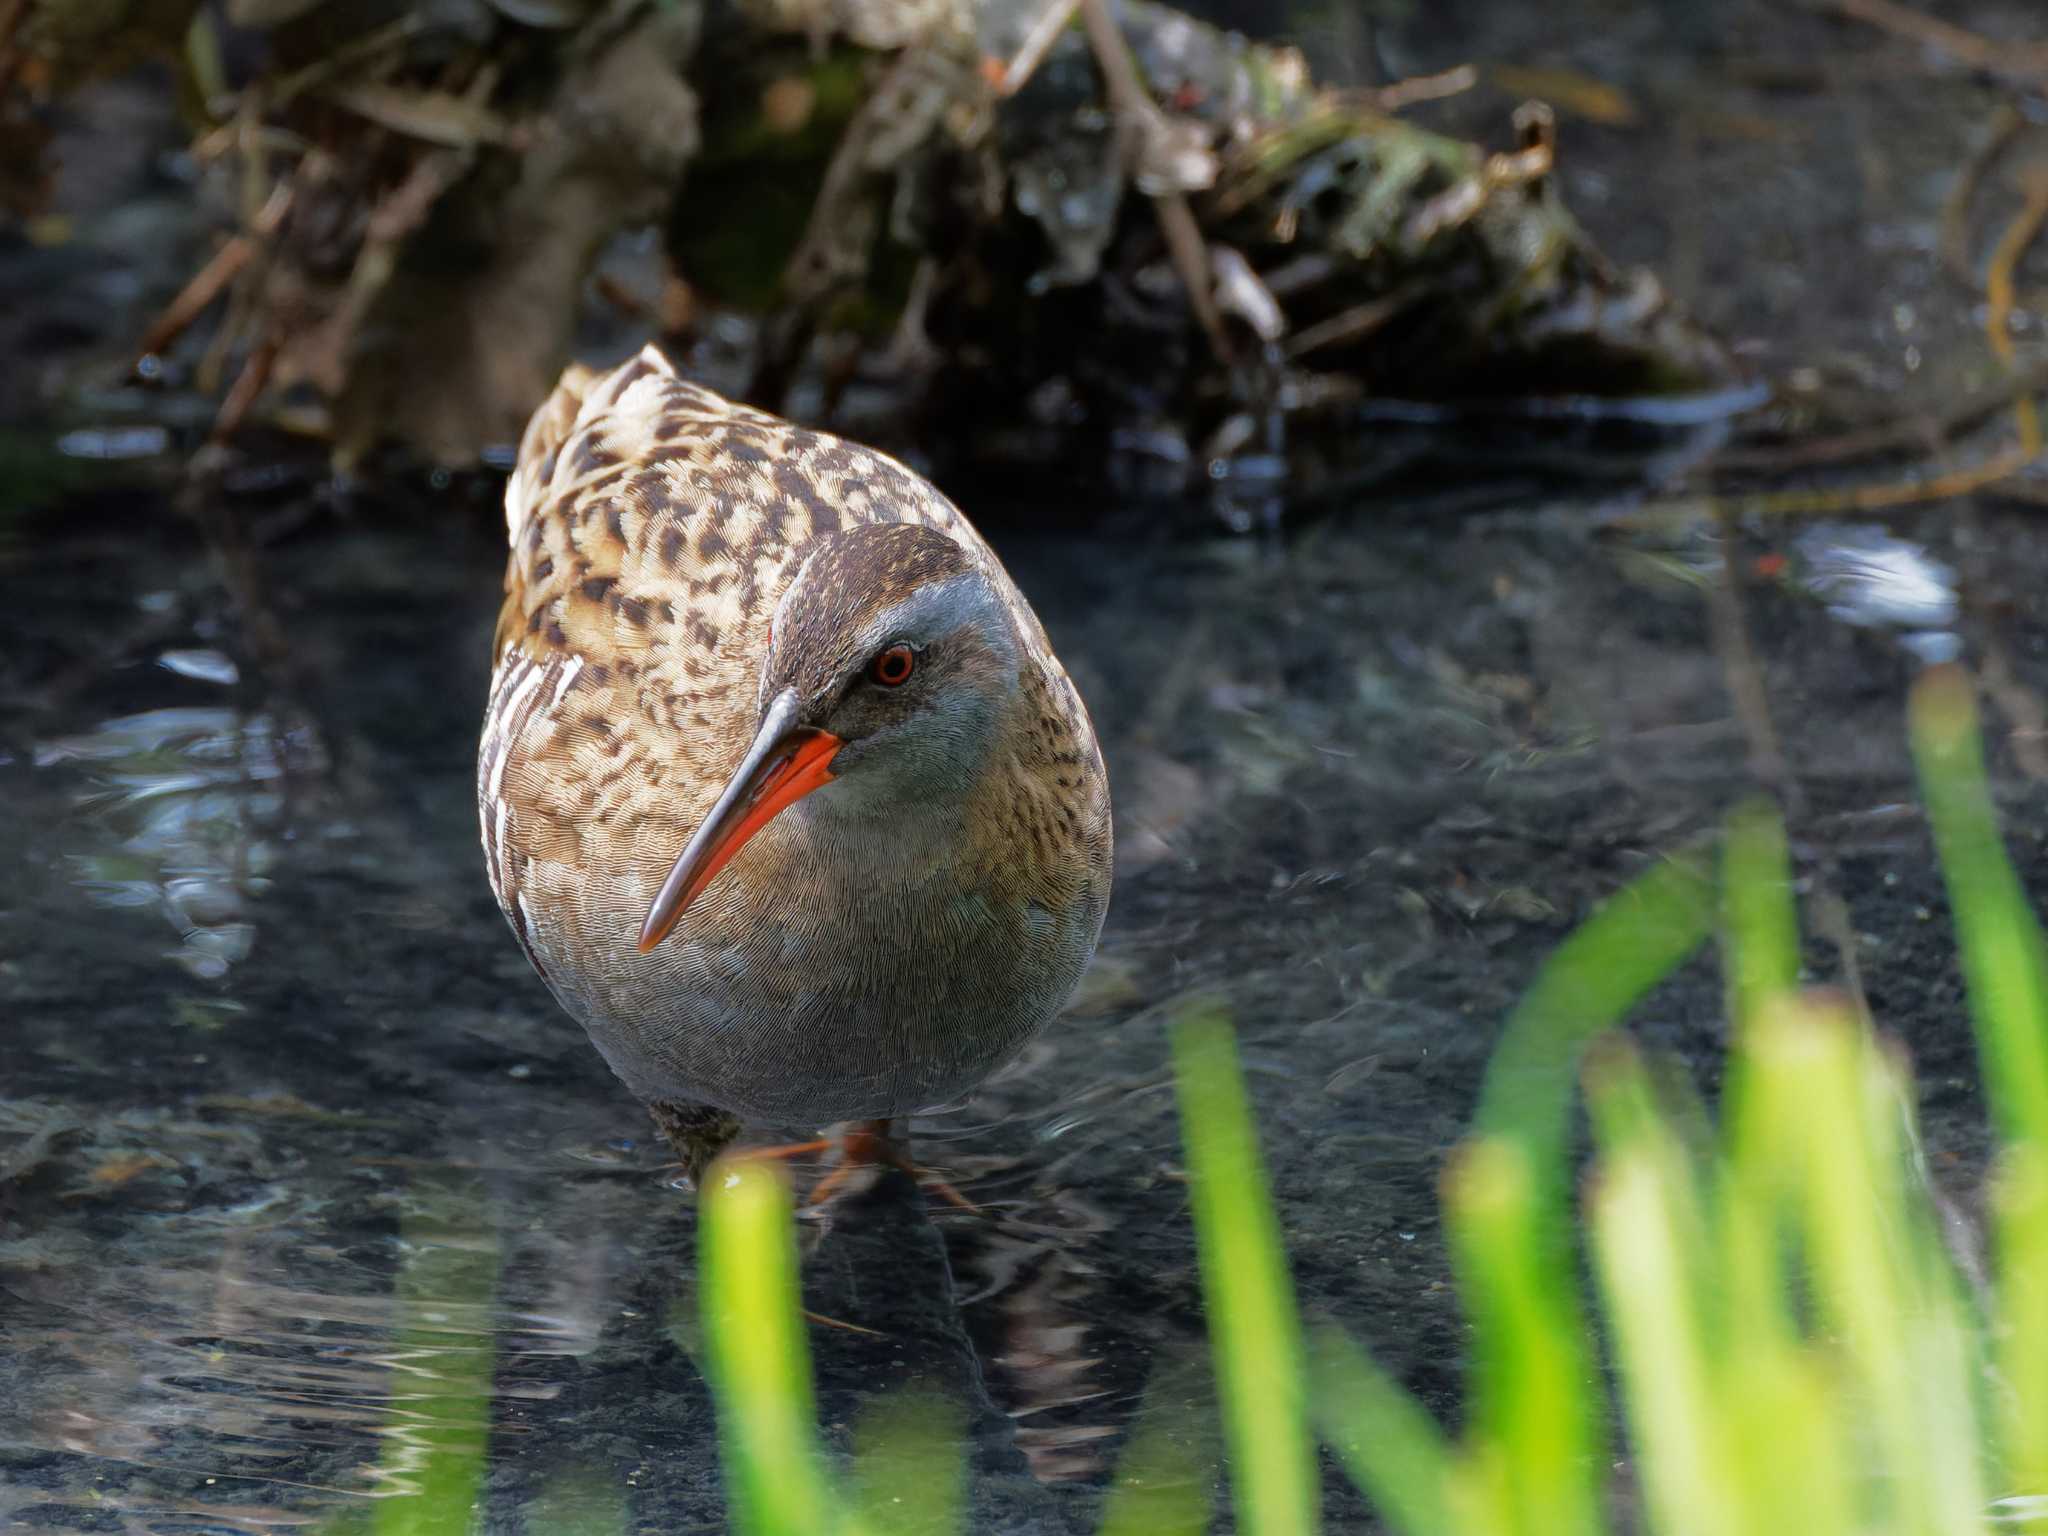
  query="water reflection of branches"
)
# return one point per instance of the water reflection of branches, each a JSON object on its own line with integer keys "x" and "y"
{"x": 185, "y": 807}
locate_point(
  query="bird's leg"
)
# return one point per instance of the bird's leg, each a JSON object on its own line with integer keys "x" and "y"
{"x": 860, "y": 1144}
{"x": 867, "y": 1144}
{"x": 697, "y": 1132}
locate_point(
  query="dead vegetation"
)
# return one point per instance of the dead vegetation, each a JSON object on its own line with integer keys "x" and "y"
{"x": 1030, "y": 217}
{"x": 1971, "y": 222}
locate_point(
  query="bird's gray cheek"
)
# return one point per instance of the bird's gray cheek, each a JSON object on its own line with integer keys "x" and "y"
{"x": 852, "y": 755}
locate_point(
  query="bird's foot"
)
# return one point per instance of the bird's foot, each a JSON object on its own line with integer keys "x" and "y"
{"x": 864, "y": 1147}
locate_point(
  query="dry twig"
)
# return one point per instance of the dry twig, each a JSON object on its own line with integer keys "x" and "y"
{"x": 1906, "y": 434}
{"x": 1998, "y": 291}
{"x": 1417, "y": 88}
{"x": 1868, "y": 499}
{"x": 247, "y": 389}
{"x": 1184, "y": 243}
{"x": 2000, "y": 467}
{"x": 2024, "y": 62}
{"x": 1353, "y": 324}
{"x": 2000, "y": 131}
{"x": 206, "y": 284}
{"x": 1008, "y": 79}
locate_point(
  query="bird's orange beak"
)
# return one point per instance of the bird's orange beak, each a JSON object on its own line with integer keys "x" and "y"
{"x": 785, "y": 762}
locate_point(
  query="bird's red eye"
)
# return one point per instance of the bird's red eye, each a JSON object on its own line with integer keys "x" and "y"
{"x": 892, "y": 668}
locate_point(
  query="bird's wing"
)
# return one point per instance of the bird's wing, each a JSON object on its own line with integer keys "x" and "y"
{"x": 653, "y": 525}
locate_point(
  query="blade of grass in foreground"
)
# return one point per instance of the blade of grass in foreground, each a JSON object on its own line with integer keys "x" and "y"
{"x": 1638, "y": 936}
{"x": 1393, "y": 1449}
{"x": 2020, "y": 1209}
{"x": 1652, "y": 1256}
{"x": 2003, "y": 957}
{"x": 1760, "y": 927}
{"x": 1789, "y": 1428}
{"x": 756, "y": 1356}
{"x": 1881, "y": 1285}
{"x": 1254, "y": 1332}
{"x": 1760, "y": 964}
{"x": 1535, "y": 1400}
{"x": 2007, "y": 972}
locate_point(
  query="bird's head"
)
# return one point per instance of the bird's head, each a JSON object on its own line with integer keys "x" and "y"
{"x": 887, "y": 667}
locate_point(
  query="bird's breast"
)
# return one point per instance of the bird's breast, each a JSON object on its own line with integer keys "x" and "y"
{"x": 807, "y": 986}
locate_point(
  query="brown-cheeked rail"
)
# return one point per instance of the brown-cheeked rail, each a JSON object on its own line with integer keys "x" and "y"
{"x": 782, "y": 788}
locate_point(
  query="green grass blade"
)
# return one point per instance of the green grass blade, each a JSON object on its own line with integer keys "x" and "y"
{"x": 1789, "y": 1425}
{"x": 1652, "y": 1259}
{"x": 756, "y": 1355}
{"x": 2005, "y": 966}
{"x": 1536, "y": 1403}
{"x": 1386, "y": 1440}
{"x": 1254, "y": 1332}
{"x": 1760, "y": 927}
{"x": 1639, "y": 936}
{"x": 2002, "y": 952}
{"x": 1760, "y": 961}
{"x": 1789, "y": 1468}
{"x": 2020, "y": 1213}
{"x": 1881, "y": 1284}
{"x": 1535, "y": 1396}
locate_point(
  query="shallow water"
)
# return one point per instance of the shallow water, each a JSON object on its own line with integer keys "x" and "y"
{"x": 311, "y": 1201}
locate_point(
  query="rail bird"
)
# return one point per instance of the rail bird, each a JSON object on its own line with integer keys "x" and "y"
{"x": 782, "y": 788}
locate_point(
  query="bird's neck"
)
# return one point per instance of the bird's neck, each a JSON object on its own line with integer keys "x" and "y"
{"x": 1000, "y": 827}
{"x": 876, "y": 841}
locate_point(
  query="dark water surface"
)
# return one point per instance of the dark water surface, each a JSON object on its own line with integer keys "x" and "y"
{"x": 303, "y": 1177}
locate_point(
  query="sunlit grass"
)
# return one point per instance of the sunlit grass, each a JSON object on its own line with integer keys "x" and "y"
{"x": 1793, "y": 1345}
{"x": 2000, "y": 938}
{"x": 2005, "y": 966}
{"x": 1254, "y": 1333}
{"x": 756, "y": 1356}
{"x": 1536, "y": 1459}
{"x": 1766, "y": 1289}
{"x": 906, "y": 1475}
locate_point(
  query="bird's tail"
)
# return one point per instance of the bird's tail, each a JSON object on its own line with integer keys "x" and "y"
{"x": 579, "y": 395}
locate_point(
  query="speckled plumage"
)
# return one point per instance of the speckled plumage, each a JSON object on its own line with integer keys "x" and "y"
{"x": 845, "y": 965}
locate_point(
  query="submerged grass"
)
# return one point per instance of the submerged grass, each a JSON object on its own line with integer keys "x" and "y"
{"x": 1791, "y": 1344}
{"x": 443, "y": 1361}
{"x": 436, "y": 1443}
